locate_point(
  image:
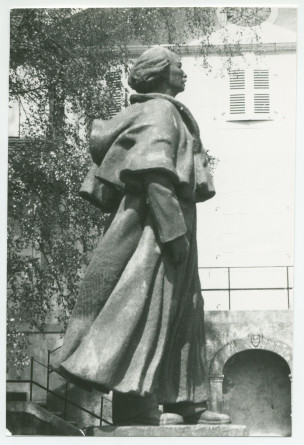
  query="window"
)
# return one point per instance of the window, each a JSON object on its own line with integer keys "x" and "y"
{"x": 249, "y": 95}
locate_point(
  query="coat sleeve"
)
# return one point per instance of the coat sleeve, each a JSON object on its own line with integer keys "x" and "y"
{"x": 167, "y": 214}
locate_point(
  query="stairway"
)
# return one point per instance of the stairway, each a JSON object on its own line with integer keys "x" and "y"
{"x": 65, "y": 408}
{"x": 59, "y": 414}
{"x": 29, "y": 418}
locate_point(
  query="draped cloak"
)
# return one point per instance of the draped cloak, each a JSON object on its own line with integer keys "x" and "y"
{"x": 138, "y": 324}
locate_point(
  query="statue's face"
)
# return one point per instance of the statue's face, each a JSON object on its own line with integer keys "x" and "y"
{"x": 177, "y": 77}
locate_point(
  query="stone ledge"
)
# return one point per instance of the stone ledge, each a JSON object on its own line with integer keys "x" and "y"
{"x": 169, "y": 430}
{"x": 28, "y": 418}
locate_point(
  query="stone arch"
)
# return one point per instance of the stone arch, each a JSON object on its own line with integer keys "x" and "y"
{"x": 252, "y": 341}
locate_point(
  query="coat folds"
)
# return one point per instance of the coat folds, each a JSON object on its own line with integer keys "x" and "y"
{"x": 138, "y": 324}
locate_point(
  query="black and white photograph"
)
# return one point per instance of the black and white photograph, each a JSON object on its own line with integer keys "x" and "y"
{"x": 150, "y": 198}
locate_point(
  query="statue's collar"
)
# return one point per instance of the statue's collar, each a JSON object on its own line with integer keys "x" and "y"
{"x": 184, "y": 111}
{"x": 144, "y": 97}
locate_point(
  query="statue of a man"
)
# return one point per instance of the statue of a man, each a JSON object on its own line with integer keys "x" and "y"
{"x": 137, "y": 328}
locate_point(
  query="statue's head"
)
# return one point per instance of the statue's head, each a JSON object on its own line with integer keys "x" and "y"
{"x": 157, "y": 70}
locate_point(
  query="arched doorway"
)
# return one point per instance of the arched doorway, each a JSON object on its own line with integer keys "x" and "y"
{"x": 257, "y": 393}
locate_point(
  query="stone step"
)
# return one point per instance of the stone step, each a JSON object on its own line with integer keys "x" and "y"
{"x": 169, "y": 431}
{"x": 56, "y": 413}
{"x": 61, "y": 415}
{"x": 41, "y": 403}
{"x": 29, "y": 418}
{"x": 72, "y": 422}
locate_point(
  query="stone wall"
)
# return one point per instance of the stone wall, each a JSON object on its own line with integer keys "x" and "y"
{"x": 224, "y": 326}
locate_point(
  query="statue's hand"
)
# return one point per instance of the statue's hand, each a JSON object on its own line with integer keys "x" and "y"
{"x": 178, "y": 249}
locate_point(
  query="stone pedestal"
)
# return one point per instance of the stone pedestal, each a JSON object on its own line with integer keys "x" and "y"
{"x": 169, "y": 431}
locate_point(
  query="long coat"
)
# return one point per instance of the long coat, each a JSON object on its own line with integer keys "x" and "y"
{"x": 138, "y": 323}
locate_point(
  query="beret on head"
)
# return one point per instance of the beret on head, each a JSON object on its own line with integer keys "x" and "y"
{"x": 148, "y": 68}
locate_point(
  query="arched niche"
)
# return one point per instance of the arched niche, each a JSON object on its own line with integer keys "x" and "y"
{"x": 257, "y": 392}
{"x": 252, "y": 341}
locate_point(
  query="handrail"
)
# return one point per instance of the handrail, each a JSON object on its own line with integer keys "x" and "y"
{"x": 60, "y": 397}
{"x": 229, "y": 289}
{"x": 37, "y": 361}
{"x": 32, "y": 382}
{"x": 53, "y": 350}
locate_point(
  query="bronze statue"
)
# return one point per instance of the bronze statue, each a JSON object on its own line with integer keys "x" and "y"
{"x": 138, "y": 324}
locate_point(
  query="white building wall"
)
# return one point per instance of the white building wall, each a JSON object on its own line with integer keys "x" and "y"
{"x": 250, "y": 220}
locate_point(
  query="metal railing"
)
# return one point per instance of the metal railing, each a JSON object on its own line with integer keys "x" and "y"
{"x": 229, "y": 289}
{"x": 65, "y": 399}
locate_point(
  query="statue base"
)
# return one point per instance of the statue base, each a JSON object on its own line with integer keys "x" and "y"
{"x": 169, "y": 431}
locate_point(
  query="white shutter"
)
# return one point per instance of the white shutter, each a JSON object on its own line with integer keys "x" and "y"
{"x": 237, "y": 104}
{"x": 249, "y": 95}
{"x": 237, "y": 80}
{"x": 261, "y": 92}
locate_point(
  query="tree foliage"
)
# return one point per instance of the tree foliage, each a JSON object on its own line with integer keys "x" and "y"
{"x": 71, "y": 50}
{"x": 59, "y": 60}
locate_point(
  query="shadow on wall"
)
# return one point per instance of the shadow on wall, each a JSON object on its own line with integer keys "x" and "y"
{"x": 257, "y": 392}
